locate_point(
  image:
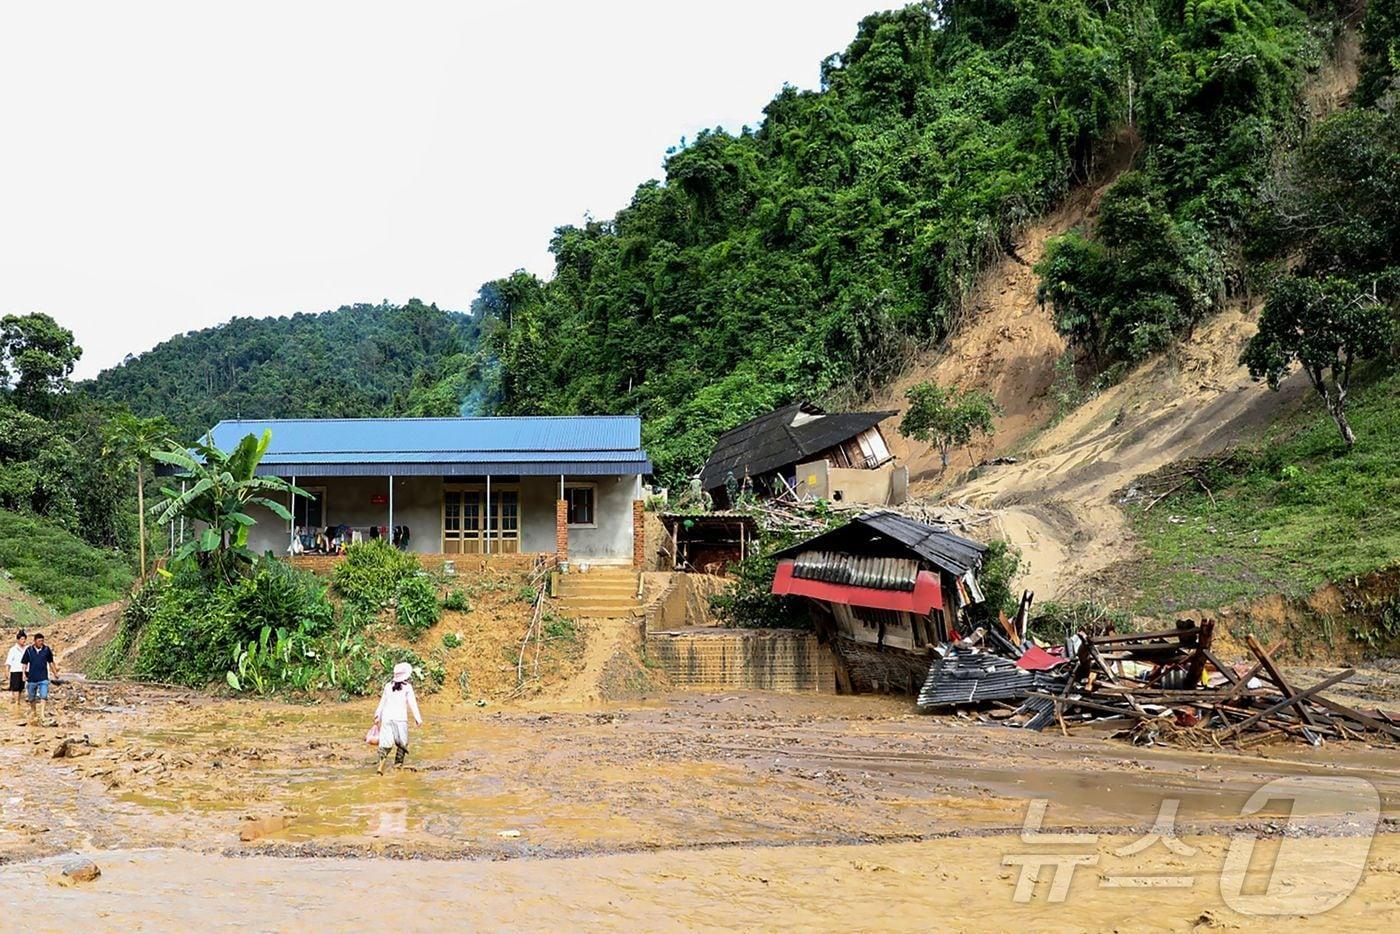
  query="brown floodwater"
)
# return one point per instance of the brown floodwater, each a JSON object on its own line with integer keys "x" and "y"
{"x": 651, "y": 813}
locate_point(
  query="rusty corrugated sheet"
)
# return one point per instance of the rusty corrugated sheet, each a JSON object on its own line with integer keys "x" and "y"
{"x": 857, "y": 570}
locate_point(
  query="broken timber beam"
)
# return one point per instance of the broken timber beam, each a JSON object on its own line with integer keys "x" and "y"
{"x": 1292, "y": 701}
{"x": 1276, "y": 676}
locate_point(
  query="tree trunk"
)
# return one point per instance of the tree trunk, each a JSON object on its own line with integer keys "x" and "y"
{"x": 141, "y": 517}
{"x": 1339, "y": 416}
{"x": 943, "y": 453}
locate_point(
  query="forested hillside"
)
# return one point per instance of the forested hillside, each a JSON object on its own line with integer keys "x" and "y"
{"x": 809, "y": 255}
{"x": 359, "y": 360}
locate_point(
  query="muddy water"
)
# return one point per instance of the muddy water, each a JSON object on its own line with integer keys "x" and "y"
{"x": 598, "y": 808}
{"x": 942, "y": 884}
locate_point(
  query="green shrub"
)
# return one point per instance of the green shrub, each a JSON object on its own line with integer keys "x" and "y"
{"x": 451, "y": 640}
{"x": 560, "y": 628}
{"x": 416, "y": 605}
{"x": 1054, "y": 622}
{"x": 429, "y": 674}
{"x": 457, "y": 601}
{"x": 115, "y": 658}
{"x": 999, "y": 567}
{"x": 368, "y": 576}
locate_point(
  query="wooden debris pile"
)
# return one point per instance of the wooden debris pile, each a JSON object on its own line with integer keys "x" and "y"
{"x": 1165, "y": 687}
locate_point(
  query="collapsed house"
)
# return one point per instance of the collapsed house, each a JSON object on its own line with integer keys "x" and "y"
{"x": 884, "y": 591}
{"x": 806, "y": 453}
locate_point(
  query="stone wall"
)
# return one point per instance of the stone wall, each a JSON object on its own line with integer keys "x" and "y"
{"x": 743, "y": 659}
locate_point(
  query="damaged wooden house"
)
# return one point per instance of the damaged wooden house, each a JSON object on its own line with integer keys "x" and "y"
{"x": 803, "y": 452}
{"x": 883, "y": 591}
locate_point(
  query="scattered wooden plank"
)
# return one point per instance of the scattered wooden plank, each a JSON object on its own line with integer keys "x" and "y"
{"x": 1380, "y": 726}
{"x": 1265, "y": 657}
{"x": 1291, "y": 701}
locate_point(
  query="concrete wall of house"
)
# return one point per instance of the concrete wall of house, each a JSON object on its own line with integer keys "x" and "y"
{"x": 611, "y": 539}
{"x": 878, "y": 487}
{"x": 418, "y": 504}
{"x": 350, "y": 501}
{"x": 537, "y": 498}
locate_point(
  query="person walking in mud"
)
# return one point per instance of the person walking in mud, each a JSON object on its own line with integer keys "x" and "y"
{"x": 14, "y": 666}
{"x": 37, "y": 660}
{"x": 395, "y": 704}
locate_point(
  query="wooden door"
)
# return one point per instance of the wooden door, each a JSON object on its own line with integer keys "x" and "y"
{"x": 462, "y": 524}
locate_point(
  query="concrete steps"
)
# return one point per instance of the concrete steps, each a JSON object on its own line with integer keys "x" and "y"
{"x": 600, "y": 593}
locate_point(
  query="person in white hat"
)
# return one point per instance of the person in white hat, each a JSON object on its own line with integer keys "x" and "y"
{"x": 395, "y": 704}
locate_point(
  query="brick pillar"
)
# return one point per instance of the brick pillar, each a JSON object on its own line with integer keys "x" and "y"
{"x": 639, "y": 535}
{"x": 561, "y": 530}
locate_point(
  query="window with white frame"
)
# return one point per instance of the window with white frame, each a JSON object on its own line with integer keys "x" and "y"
{"x": 581, "y": 501}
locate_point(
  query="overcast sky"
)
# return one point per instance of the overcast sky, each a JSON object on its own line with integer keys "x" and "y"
{"x": 169, "y": 166}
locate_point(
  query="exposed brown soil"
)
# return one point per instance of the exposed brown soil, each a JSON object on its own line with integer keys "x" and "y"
{"x": 1057, "y": 503}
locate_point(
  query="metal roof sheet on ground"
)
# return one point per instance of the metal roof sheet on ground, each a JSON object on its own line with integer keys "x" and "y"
{"x": 535, "y": 445}
{"x": 771, "y": 441}
{"x": 872, "y": 532}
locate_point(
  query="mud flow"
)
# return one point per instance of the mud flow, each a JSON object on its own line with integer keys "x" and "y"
{"x": 766, "y": 798}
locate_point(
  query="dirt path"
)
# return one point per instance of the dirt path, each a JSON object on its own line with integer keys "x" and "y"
{"x": 76, "y": 637}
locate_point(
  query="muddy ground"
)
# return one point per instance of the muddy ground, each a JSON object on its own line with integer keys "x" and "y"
{"x": 688, "y": 810}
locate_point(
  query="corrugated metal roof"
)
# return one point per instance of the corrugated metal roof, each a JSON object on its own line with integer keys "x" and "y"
{"x": 586, "y": 444}
{"x": 772, "y": 441}
{"x": 881, "y": 532}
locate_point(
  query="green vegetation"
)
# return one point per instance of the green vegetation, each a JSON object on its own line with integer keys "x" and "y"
{"x": 271, "y": 630}
{"x": 360, "y": 360}
{"x": 1053, "y": 622}
{"x": 1300, "y": 511}
{"x": 947, "y": 417}
{"x": 51, "y": 441}
{"x": 999, "y": 567}
{"x": 1336, "y": 204}
{"x": 807, "y": 256}
{"x": 1380, "y": 50}
{"x": 456, "y": 600}
{"x": 219, "y": 488}
{"x": 1220, "y": 94}
{"x": 416, "y": 606}
{"x": 64, "y": 571}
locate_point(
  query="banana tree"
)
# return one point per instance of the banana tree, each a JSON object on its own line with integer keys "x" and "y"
{"x": 220, "y": 489}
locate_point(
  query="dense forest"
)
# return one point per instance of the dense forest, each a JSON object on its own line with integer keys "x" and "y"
{"x": 359, "y": 360}
{"x": 807, "y": 256}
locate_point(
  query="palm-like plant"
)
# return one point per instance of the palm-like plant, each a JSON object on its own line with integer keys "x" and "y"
{"x": 221, "y": 487}
{"x": 134, "y": 442}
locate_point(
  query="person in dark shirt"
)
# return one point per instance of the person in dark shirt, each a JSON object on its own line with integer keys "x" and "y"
{"x": 37, "y": 661}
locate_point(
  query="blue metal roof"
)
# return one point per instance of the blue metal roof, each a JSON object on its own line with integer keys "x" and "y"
{"x": 532, "y": 445}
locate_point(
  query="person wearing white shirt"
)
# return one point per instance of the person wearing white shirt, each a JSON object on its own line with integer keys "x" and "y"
{"x": 14, "y": 665}
{"x": 395, "y": 704}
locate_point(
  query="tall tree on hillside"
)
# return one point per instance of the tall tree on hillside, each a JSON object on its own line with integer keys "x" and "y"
{"x": 37, "y": 356}
{"x": 1334, "y": 205}
{"x": 947, "y": 417}
{"x": 134, "y": 441}
{"x": 1327, "y": 326}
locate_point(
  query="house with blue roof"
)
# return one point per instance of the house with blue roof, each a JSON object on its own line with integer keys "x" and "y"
{"x": 568, "y": 485}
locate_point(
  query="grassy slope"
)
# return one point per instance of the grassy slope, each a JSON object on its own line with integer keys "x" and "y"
{"x": 1298, "y": 511}
{"x": 64, "y": 571}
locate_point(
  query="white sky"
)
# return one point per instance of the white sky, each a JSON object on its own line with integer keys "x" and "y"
{"x": 167, "y": 166}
